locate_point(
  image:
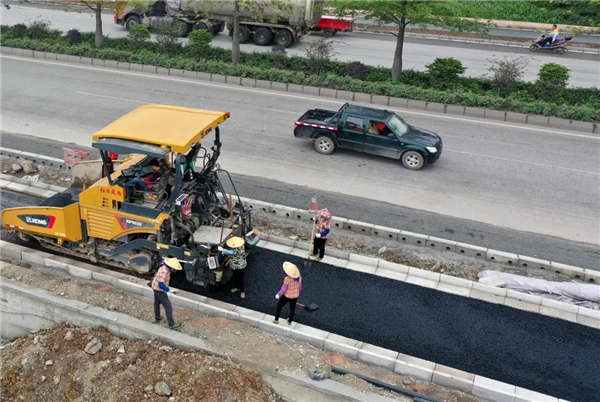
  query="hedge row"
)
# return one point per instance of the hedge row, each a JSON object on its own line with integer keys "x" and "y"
{"x": 329, "y": 80}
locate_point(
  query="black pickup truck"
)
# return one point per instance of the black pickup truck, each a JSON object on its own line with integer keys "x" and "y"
{"x": 374, "y": 131}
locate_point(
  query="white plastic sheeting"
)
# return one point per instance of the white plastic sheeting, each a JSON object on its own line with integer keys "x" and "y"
{"x": 581, "y": 294}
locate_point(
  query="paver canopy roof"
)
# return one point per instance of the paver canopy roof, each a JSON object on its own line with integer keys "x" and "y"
{"x": 175, "y": 127}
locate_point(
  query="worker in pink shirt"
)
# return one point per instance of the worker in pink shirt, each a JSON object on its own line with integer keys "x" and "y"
{"x": 321, "y": 234}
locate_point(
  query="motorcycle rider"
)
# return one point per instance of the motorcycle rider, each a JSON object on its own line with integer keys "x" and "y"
{"x": 551, "y": 36}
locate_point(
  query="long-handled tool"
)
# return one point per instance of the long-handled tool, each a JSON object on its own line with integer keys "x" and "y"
{"x": 309, "y": 306}
{"x": 308, "y": 262}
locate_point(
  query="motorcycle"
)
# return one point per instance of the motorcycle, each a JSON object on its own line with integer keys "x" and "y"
{"x": 558, "y": 46}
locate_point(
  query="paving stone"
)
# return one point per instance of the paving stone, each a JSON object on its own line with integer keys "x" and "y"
{"x": 266, "y": 324}
{"x": 384, "y": 232}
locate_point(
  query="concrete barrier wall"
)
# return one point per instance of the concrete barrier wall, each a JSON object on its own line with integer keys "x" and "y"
{"x": 543, "y": 121}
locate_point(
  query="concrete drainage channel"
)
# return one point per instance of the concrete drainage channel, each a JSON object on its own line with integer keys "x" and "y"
{"x": 47, "y": 308}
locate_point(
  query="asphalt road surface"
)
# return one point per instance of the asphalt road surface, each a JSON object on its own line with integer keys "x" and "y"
{"x": 532, "y": 351}
{"x": 371, "y": 49}
{"x": 524, "y": 178}
{"x": 379, "y": 213}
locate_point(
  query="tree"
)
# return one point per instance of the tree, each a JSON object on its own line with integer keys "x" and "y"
{"x": 444, "y": 72}
{"x": 319, "y": 54}
{"x": 506, "y": 73}
{"x": 404, "y": 12}
{"x": 552, "y": 79}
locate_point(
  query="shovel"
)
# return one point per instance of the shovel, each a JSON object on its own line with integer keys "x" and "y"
{"x": 308, "y": 262}
{"x": 309, "y": 306}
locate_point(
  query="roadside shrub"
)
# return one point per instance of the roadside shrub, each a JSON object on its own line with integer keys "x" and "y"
{"x": 279, "y": 54}
{"x": 506, "y": 73}
{"x": 38, "y": 29}
{"x": 18, "y": 30}
{"x": 138, "y": 35}
{"x": 199, "y": 43}
{"x": 444, "y": 72}
{"x": 73, "y": 37}
{"x": 357, "y": 70}
{"x": 167, "y": 36}
{"x": 319, "y": 54}
{"x": 552, "y": 79}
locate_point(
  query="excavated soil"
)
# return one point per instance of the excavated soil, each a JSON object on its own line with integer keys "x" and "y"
{"x": 53, "y": 366}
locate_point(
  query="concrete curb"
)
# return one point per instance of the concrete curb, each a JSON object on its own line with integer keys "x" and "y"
{"x": 43, "y": 310}
{"x": 379, "y": 267}
{"x": 543, "y": 121}
{"x": 363, "y": 352}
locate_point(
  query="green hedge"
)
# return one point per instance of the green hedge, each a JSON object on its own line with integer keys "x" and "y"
{"x": 471, "y": 92}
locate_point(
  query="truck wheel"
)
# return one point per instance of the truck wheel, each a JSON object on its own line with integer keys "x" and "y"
{"x": 413, "y": 160}
{"x": 328, "y": 32}
{"x": 263, "y": 36}
{"x": 324, "y": 145}
{"x": 132, "y": 21}
{"x": 284, "y": 38}
{"x": 181, "y": 28}
{"x": 244, "y": 34}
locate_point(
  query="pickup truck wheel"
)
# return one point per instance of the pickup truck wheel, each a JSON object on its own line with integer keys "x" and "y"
{"x": 413, "y": 160}
{"x": 132, "y": 21}
{"x": 324, "y": 145}
{"x": 284, "y": 38}
{"x": 262, "y": 36}
{"x": 244, "y": 34}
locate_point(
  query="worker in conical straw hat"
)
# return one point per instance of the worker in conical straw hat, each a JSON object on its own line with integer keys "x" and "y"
{"x": 160, "y": 285}
{"x": 237, "y": 263}
{"x": 289, "y": 292}
{"x": 323, "y": 228}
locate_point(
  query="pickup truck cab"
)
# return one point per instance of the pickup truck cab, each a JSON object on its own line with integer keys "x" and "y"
{"x": 369, "y": 130}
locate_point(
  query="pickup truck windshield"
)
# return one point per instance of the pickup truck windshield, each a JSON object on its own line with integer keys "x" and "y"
{"x": 398, "y": 125}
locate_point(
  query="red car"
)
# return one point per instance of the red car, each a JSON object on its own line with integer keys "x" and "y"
{"x": 330, "y": 25}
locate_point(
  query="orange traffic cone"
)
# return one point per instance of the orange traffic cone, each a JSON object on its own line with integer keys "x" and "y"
{"x": 313, "y": 204}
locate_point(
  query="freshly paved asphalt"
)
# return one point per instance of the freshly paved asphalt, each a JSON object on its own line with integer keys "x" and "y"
{"x": 373, "y": 49}
{"x": 524, "y": 178}
{"x": 536, "y": 352}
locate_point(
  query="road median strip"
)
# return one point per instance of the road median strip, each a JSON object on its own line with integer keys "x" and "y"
{"x": 366, "y": 353}
{"x": 487, "y": 114}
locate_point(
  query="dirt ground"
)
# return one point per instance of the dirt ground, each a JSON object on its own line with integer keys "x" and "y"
{"x": 53, "y": 366}
{"x": 235, "y": 339}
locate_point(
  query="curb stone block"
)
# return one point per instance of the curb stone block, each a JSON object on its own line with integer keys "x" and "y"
{"x": 436, "y": 107}
{"x": 281, "y": 240}
{"x": 193, "y": 75}
{"x": 358, "y": 267}
{"x": 35, "y": 257}
{"x": 65, "y": 57}
{"x": 245, "y": 315}
{"x": 130, "y": 287}
{"x": 162, "y": 71}
{"x": 215, "y": 308}
{"x": 525, "y": 395}
{"x": 136, "y": 67}
{"x": 475, "y": 112}
{"x": 592, "y": 276}
{"x": 493, "y": 390}
{"x": 5, "y": 50}
{"x": 74, "y": 59}
{"x": 457, "y": 290}
{"x": 569, "y": 270}
{"x": 501, "y": 256}
{"x": 589, "y": 317}
{"x": 218, "y": 78}
{"x": 294, "y": 88}
{"x": 27, "y": 53}
{"x": 523, "y": 301}
{"x": 301, "y": 246}
{"x": 57, "y": 263}
{"x": 12, "y": 251}
{"x": 381, "y": 100}
{"x": 583, "y": 126}
{"x": 530, "y": 262}
{"x": 283, "y": 211}
{"x": 386, "y": 273}
{"x": 384, "y": 232}
{"x": 111, "y": 63}
{"x": 338, "y": 222}
{"x": 514, "y": 117}
{"x": 362, "y": 98}
{"x": 308, "y": 90}
{"x": 537, "y": 120}
{"x": 495, "y": 114}
{"x": 50, "y": 56}
{"x": 31, "y": 190}
{"x": 533, "y": 299}
{"x": 278, "y": 86}
{"x": 342, "y": 345}
{"x": 390, "y": 266}
{"x": 453, "y": 378}
{"x": 327, "y": 93}
{"x": 559, "y": 123}
{"x": 441, "y": 244}
{"x": 470, "y": 250}
{"x": 361, "y": 259}
{"x": 149, "y": 69}
{"x": 248, "y": 82}
{"x": 100, "y": 277}
{"x": 312, "y": 336}
{"x": 357, "y": 226}
{"x": 95, "y": 62}
{"x": 421, "y": 273}
{"x": 282, "y": 328}
{"x": 17, "y": 51}
{"x": 425, "y": 283}
{"x": 345, "y": 95}
{"x": 398, "y": 102}
{"x": 455, "y": 109}
{"x": 336, "y": 262}
{"x": 78, "y": 272}
{"x": 204, "y": 76}
{"x": 176, "y": 72}
{"x": 488, "y": 293}
{"x": 414, "y": 367}
{"x": 234, "y": 80}
{"x": 557, "y": 305}
{"x": 377, "y": 356}
{"x": 412, "y": 238}
{"x": 342, "y": 255}
{"x": 122, "y": 66}
{"x": 281, "y": 248}
{"x": 263, "y": 84}
{"x": 415, "y": 104}
{"x": 86, "y": 60}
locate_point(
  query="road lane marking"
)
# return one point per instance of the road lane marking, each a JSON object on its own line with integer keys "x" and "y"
{"x": 524, "y": 162}
{"x": 268, "y": 92}
{"x": 110, "y": 97}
